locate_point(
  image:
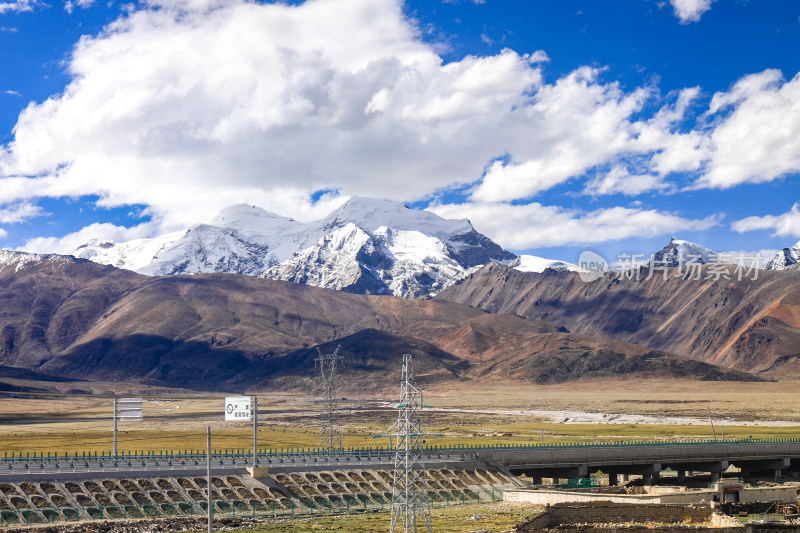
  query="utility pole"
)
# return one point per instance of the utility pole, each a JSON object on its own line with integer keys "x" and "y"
{"x": 330, "y": 437}
{"x": 208, "y": 479}
{"x": 410, "y": 503}
{"x": 713, "y": 431}
{"x": 255, "y": 431}
{"x": 115, "y": 428}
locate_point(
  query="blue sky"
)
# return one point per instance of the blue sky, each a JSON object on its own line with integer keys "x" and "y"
{"x": 553, "y": 126}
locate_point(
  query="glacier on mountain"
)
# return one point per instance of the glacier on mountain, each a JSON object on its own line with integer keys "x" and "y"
{"x": 365, "y": 246}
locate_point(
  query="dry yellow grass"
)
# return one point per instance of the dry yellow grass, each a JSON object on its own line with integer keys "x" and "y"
{"x": 478, "y": 414}
{"x": 742, "y": 401}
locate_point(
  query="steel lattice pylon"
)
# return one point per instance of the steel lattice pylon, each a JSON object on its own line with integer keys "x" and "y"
{"x": 410, "y": 503}
{"x": 330, "y": 437}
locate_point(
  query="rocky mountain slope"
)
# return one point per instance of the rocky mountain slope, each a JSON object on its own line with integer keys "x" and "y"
{"x": 786, "y": 259}
{"x": 678, "y": 252}
{"x": 366, "y": 246}
{"x": 74, "y": 318}
{"x": 707, "y": 315}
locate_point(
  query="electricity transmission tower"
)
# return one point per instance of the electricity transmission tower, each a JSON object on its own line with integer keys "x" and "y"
{"x": 410, "y": 503}
{"x": 330, "y": 437}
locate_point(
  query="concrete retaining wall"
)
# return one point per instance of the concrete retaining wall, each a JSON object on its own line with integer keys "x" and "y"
{"x": 602, "y": 512}
{"x": 600, "y": 517}
{"x": 763, "y": 494}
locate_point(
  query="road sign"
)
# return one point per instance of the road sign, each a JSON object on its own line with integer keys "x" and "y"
{"x": 129, "y": 409}
{"x": 237, "y": 408}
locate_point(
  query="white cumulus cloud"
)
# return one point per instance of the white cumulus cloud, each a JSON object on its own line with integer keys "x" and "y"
{"x": 18, "y": 6}
{"x": 19, "y": 212}
{"x": 186, "y": 106}
{"x": 783, "y": 225}
{"x": 582, "y": 122}
{"x": 755, "y": 139}
{"x": 69, "y": 5}
{"x": 690, "y": 10}
{"x": 619, "y": 180}
{"x": 537, "y": 226}
{"x": 67, "y": 244}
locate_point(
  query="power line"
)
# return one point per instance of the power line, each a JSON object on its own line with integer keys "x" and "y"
{"x": 410, "y": 505}
{"x": 330, "y": 436}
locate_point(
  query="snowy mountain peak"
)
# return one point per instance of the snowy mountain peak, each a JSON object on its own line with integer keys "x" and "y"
{"x": 366, "y": 245}
{"x": 371, "y": 213}
{"x": 533, "y": 263}
{"x": 786, "y": 259}
{"x": 19, "y": 260}
{"x": 679, "y": 252}
{"x": 247, "y": 216}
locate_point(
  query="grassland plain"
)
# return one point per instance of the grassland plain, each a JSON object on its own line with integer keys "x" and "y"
{"x": 457, "y": 519}
{"x": 476, "y": 415}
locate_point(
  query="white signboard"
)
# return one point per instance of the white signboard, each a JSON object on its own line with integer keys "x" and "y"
{"x": 129, "y": 409}
{"x": 237, "y": 408}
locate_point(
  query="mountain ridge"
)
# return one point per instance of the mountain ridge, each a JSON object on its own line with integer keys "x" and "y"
{"x": 745, "y": 324}
{"x": 82, "y": 320}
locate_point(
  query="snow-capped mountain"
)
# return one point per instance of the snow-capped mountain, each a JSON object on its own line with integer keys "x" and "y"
{"x": 678, "y": 253}
{"x": 533, "y": 263}
{"x": 406, "y": 263}
{"x": 365, "y": 246}
{"x": 786, "y": 259}
{"x": 19, "y": 260}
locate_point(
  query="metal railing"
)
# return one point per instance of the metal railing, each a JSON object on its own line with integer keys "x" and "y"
{"x": 235, "y": 456}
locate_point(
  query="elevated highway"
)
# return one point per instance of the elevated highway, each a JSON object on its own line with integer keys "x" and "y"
{"x": 648, "y": 459}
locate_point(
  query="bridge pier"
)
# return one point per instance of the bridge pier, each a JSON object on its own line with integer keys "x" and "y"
{"x": 715, "y": 468}
{"x": 649, "y": 472}
{"x": 556, "y": 474}
{"x": 774, "y": 467}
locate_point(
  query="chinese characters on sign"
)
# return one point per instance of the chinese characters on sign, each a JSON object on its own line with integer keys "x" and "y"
{"x": 237, "y": 408}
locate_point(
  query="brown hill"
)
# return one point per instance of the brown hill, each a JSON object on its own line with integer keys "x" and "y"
{"x": 77, "y": 319}
{"x": 749, "y": 324}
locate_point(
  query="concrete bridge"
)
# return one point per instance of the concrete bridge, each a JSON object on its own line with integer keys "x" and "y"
{"x": 753, "y": 457}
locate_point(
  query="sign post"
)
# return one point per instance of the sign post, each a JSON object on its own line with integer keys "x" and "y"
{"x": 126, "y": 410}
{"x": 237, "y": 408}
